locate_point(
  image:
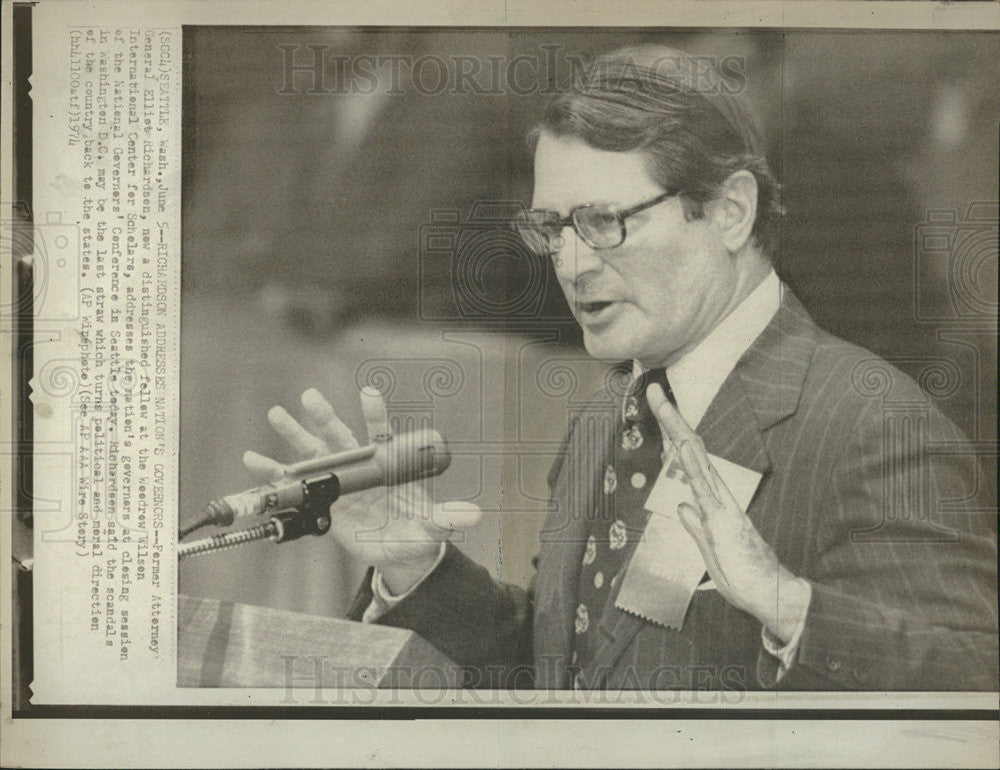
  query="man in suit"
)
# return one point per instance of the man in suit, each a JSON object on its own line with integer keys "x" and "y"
{"x": 848, "y": 564}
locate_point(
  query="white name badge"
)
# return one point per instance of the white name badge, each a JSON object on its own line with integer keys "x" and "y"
{"x": 667, "y": 565}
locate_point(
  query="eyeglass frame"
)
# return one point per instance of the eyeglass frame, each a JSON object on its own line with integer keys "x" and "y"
{"x": 620, "y": 214}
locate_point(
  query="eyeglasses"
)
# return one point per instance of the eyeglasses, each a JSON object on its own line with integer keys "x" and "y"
{"x": 599, "y": 225}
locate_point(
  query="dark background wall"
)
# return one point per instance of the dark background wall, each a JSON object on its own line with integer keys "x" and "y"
{"x": 307, "y": 255}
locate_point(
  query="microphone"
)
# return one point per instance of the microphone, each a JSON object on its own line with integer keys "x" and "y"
{"x": 396, "y": 460}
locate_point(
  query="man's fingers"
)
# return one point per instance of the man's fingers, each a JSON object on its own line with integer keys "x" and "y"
{"x": 698, "y": 467}
{"x": 704, "y": 480}
{"x": 376, "y": 416}
{"x": 689, "y": 517}
{"x": 691, "y": 448}
{"x": 710, "y": 490}
{"x": 679, "y": 432}
{"x": 675, "y": 426}
{"x": 722, "y": 492}
{"x": 302, "y": 441}
{"x": 329, "y": 427}
{"x": 263, "y": 467}
{"x": 457, "y": 514}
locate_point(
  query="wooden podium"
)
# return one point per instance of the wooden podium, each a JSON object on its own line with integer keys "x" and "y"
{"x": 222, "y": 644}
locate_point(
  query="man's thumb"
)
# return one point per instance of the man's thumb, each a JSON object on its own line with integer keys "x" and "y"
{"x": 456, "y": 514}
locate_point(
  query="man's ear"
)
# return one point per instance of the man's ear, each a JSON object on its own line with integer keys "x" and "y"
{"x": 736, "y": 209}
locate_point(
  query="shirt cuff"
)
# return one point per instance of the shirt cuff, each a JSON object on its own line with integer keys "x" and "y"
{"x": 383, "y": 600}
{"x": 786, "y": 654}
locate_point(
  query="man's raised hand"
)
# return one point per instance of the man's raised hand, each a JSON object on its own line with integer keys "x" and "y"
{"x": 739, "y": 561}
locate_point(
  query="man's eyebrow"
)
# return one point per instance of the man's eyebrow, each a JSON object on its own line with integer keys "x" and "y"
{"x": 596, "y": 200}
{"x": 549, "y": 207}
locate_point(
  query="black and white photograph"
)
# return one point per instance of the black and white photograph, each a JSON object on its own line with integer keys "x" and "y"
{"x": 421, "y": 236}
{"x": 585, "y": 374}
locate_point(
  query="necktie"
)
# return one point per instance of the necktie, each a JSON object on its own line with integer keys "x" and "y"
{"x": 620, "y": 515}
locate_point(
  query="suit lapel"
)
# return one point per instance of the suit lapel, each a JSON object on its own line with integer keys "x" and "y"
{"x": 763, "y": 389}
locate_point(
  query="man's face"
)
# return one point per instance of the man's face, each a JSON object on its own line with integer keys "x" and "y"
{"x": 660, "y": 292}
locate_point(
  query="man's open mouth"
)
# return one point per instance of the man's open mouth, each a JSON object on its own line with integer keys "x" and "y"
{"x": 593, "y": 307}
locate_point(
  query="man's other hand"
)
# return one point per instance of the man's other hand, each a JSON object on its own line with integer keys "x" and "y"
{"x": 739, "y": 561}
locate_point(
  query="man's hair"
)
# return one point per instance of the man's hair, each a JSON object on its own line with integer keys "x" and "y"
{"x": 695, "y": 126}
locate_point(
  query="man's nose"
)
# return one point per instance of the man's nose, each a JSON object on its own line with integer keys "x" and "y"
{"x": 574, "y": 258}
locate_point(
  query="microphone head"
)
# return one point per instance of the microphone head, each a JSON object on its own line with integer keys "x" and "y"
{"x": 407, "y": 457}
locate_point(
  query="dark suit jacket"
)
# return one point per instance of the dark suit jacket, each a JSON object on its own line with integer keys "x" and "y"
{"x": 868, "y": 492}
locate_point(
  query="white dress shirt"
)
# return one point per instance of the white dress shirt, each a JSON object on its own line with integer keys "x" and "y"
{"x": 698, "y": 376}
